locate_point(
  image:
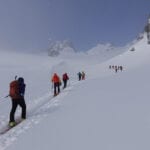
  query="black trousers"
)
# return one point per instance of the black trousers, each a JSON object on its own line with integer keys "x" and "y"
{"x": 65, "y": 83}
{"x": 79, "y": 77}
{"x": 56, "y": 88}
{"x": 15, "y": 103}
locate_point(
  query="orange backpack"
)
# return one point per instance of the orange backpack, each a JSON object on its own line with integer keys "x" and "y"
{"x": 55, "y": 78}
{"x": 14, "y": 90}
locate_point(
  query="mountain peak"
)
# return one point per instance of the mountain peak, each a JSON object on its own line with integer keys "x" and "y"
{"x": 58, "y": 47}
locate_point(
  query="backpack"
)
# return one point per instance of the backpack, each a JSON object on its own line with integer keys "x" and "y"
{"x": 17, "y": 88}
{"x": 55, "y": 78}
{"x": 14, "y": 90}
{"x": 21, "y": 86}
{"x": 65, "y": 77}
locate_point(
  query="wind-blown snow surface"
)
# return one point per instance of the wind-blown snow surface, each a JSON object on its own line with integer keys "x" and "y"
{"x": 108, "y": 110}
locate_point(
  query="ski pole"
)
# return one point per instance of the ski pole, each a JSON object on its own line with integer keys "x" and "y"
{"x": 3, "y": 99}
{"x": 68, "y": 82}
{"x": 16, "y": 77}
{"x": 52, "y": 86}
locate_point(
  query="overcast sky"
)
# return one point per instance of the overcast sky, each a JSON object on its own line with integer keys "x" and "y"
{"x": 29, "y": 24}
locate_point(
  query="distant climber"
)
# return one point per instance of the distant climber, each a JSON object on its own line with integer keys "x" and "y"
{"x": 65, "y": 78}
{"x": 83, "y": 75}
{"x": 121, "y": 68}
{"x": 116, "y": 69}
{"x": 56, "y": 82}
{"x": 79, "y": 75}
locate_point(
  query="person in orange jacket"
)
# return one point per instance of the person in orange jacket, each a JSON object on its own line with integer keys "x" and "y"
{"x": 57, "y": 82}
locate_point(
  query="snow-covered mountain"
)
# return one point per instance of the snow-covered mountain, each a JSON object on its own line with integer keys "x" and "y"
{"x": 101, "y": 48}
{"x": 102, "y": 52}
{"x": 60, "y": 47}
{"x": 108, "y": 110}
{"x": 106, "y": 51}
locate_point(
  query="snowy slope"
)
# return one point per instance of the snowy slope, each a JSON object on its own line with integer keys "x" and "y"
{"x": 108, "y": 110}
{"x": 106, "y": 51}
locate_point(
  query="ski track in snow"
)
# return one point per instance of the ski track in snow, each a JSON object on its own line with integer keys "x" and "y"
{"x": 36, "y": 111}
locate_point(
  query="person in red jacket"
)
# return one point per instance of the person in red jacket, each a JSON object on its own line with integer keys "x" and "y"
{"x": 65, "y": 78}
{"x": 83, "y": 75}
{"x": 57, "y": 82}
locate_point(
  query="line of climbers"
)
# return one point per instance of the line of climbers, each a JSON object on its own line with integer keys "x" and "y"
{"x": 17, "y": 92}
{"x": 81, "y": 75}
{"x": 116, "y": 68}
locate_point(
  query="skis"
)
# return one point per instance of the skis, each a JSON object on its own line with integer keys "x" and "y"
{"x": 7, "y": 128}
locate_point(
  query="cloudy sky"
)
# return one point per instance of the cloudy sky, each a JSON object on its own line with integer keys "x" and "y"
{"x": 29, "y": 24}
